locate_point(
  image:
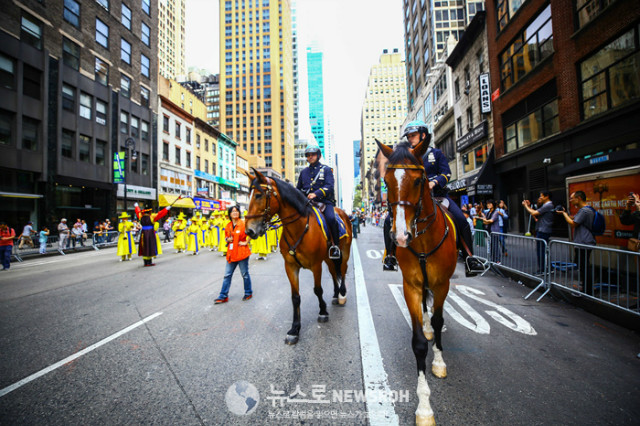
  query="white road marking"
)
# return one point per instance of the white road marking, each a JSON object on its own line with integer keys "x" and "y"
{"x": 374, "y": 254}
{"x": 68, "y": 359}
{"x": 375, "y": 378}
{"x": 479, "y": 325}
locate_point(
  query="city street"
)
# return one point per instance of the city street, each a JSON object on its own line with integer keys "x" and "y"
{"x": 85, "y": 339}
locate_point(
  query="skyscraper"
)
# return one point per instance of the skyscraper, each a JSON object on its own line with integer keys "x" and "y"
{"x": 384, "y": 107}
{"x": 171, "y": 38}
{"x": 316, "y": 96}
{"x": 256, "y": 79}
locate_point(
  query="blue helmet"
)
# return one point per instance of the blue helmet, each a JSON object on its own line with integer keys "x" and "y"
{"x": 313, "y": 147}
{"x": 415, "y": 126}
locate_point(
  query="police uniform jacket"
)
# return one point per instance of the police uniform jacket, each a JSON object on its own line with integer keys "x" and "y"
{"x": 437, "y": 169}
{"x": 318, "y": 179}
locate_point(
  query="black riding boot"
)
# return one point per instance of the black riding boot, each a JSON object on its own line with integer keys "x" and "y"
{"x": 334, "y": 250}
{"x": 472, "y": 265}
{"x": 390, "y": 263}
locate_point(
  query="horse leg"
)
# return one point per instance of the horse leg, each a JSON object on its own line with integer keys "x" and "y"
{"x": 420, "y": 346}
{"x": 438, "y": 367}
{"x": 323, "y": 315}
{"x": 293, "y": 274}
{"x": 427, "y": 310}
{"x": 342, "y": 296}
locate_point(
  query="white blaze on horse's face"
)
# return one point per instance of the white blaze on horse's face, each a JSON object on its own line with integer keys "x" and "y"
{"x": 401, "y": 232}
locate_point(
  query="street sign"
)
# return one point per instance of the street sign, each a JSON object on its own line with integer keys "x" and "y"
{"x": 118, "y": 167}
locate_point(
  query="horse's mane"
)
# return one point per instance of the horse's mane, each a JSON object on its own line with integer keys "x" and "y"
{"x": 292, "y": 196}
{"x": 401, "y": 153}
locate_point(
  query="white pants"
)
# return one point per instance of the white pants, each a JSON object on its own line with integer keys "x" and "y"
{"x": 62, "y": 242}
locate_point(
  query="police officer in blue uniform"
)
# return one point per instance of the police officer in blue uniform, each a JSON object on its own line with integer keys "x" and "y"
{"x": 316, "y": 182}
{"x": 438, "y": 173}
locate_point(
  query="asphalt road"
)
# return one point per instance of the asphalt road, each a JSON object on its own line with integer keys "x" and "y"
{"x": 150, "y": 347}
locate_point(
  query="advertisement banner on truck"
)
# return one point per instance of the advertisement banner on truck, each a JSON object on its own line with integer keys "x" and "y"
{"x": 607, "y": 192}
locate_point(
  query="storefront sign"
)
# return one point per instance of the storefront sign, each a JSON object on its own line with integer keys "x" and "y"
{"x": 203, "y": 175}
{"x": 175, "y": 180}
{"x": 458, "y": 184}
{"x": 495, "y": 95}
{"x": 485, "y": 94}
{"x": 223, "y": 181}
{"x": 207, "y": 205}
{"x": 118, "y": 167}
{"x": 479, "y": 132}
{"x": 135, "y": 192}
{"x": 484, "y": 189}
{"x": 203, "y": 191}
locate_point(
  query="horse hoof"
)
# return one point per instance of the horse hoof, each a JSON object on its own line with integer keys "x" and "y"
{"x": 291, "y": 339}
{"x": 440, "y": 371}
{"x": 425, "y": 421}
{"x": 342, "y": 300}
{"x": 323, "y": 318}
{"x": 428, "y": 335}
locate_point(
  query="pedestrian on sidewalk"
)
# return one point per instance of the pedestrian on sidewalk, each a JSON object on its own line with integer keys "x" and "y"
{"x": 7, "y": 235}
{"x": 25, "y": 237}
{"x": 43, "y": 237}
{"x": 581, "y": 224}
{"x": 493, "y": 225}
{"x": 63, "y": 234}
{"x": 238, "y": 253}
{"x": 544, "y": 217}
{"x": 76, "y": 233}
{"x": 166, "y": 227}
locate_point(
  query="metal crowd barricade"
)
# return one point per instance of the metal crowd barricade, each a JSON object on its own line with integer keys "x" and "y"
{"x": 526, "y": 256}
{"x": 105, "y": 239}
{"x": 607, "y": 275}
{"x": 52, "y": 245}
{"x": 482, "y": 248}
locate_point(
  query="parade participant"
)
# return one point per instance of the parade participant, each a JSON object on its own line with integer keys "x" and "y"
{"x": 179, "y": 240}
{"x": 149, "y": 244}
{"x": 193, "y": 236}
{"x": 7, "y": 235}
{"x": 316, "y": 182}
{"x": 43, "y": 237}
{"x": 222, "y": 243}
{"x": 126, "y": 244}
{"x": 438, "y": 174}
{"x": 211, "y": 232}
{"x": 237, "y": 255}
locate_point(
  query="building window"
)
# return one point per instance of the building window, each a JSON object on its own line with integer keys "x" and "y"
{"x": 144, "y": 65}
{"x": 102, "y": 72}
{"x": 102, "y": 33}
{"x": 505, "y": 10}
{"x": 611, "y": 76}
{"x": 531, "y": 128}
{"x": 146, "y": 34}
{"x": 187, "y": 161}
{"x": 448, "y": 147}
{"x": 124, "y": 122}
{"x": 6, "y": 120}
{"x": 145, "y": 96}
{"x": 125, "y": 86}
{"x": 126, "y": 16}
{"x": 197, "y": 163}
{"x": 31, "y": 31}
{"x": 177, "y": 155}
{"x": 206, "y": 145}
{"x": 68, "y": 97}
{"x": 85, "y": 106}
{"x": 165, "y": 151}
{"x": 84, "y": 148}
{"x": 188, "y": 134}
{"x": 469, "y": 118}
{"x": 135, "y": 126}
{"x": 178, "y": 125}
{"x": 30, "y": 133}
{"x": 125, "y": 51}
{"x": 144, "y": 131}
{"x": 7, "y": 72}
{"x": 71, "y": 12}
{"x": 529, "y": 48}
{"x": 70, "y": 54}
{"x": 103, "y": 3}
{"x": 146, "y": 7}
{"x": 66, "y": 143}
{"x": 31, "y": 81}
{"x": 144, "y": 164}
{"x": 587, "y": 10}
{"x": 206, "y": 166}
{"x": 101, "y": 112}
{"x": 165, "y": 123}
{"x": 101, "y": 152}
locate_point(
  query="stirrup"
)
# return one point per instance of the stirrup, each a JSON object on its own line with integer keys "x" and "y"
{"x": 473, "y": 266}
{"x": 390, "y": 263}
{"x": 334, "y": 252}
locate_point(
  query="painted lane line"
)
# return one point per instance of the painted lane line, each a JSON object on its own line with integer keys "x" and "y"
{"x": 68, "y": 359}
{"x": 375, "y": 378}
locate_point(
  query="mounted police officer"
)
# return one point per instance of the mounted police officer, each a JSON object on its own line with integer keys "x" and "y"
{"x": 438, "y": 173}
{"x": 316, "y": 182}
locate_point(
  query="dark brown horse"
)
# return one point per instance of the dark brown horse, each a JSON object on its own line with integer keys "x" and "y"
{"x": 427, "y": 255}
{"x": 303, "y": 243}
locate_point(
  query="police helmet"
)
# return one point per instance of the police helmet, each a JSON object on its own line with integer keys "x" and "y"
{"x": 416, "y": 126}
{"x": 313, "y": 147}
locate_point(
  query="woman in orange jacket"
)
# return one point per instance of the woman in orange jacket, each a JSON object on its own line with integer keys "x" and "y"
{"x": 238, "y": 253}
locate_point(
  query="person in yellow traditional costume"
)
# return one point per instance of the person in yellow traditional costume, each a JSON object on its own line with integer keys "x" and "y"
{"x": 126, "y": 244}
{"x": 222, "y": 223}
{"x": 193, "y": 236}
{"x": 179, "y": 240}
{"x": 211, "y": 232}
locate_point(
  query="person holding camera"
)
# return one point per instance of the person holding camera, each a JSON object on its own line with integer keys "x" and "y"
{"x": 629, "y": 217}
{"x": 544, "y": 223}
{"x": 581, "y": 224}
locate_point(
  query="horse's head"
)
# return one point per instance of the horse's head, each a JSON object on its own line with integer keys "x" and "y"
{"x": 263, "y": 204}
{"x": 405, "y": 179}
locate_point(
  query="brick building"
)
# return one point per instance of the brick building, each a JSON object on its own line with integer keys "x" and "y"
{"x": 565, "y": 77}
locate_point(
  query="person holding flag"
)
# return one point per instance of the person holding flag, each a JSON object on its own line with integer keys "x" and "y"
{"x": 149, "y": 244}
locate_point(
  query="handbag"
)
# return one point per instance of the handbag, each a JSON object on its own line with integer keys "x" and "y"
{"x": 633, "y": 244}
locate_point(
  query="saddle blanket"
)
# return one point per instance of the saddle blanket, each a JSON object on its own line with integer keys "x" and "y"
{"x": 342, "y": 229}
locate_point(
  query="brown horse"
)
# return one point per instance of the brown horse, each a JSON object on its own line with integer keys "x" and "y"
{"x": 302, "y": 245}
{"x": 427, "y": 255}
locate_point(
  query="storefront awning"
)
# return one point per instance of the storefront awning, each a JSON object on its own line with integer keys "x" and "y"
{"x": 20, "y": 195}
{"x": 167, "y": 200}
{"x": 480, "y": 183}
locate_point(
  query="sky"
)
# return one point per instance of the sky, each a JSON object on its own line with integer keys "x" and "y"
{"x": 352, "y": 35}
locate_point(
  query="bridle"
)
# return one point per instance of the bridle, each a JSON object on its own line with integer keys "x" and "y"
{"x": 266, "y": 215}
{"x": 431, "y": 217}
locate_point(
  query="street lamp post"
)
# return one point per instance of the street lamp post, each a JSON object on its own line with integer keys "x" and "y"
{"x": 129, "y": 143}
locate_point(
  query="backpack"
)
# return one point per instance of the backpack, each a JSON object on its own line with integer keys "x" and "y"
{"x": 598, "y": 225}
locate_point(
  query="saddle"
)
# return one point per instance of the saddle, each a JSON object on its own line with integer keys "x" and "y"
{"x": 318, "y": 205}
